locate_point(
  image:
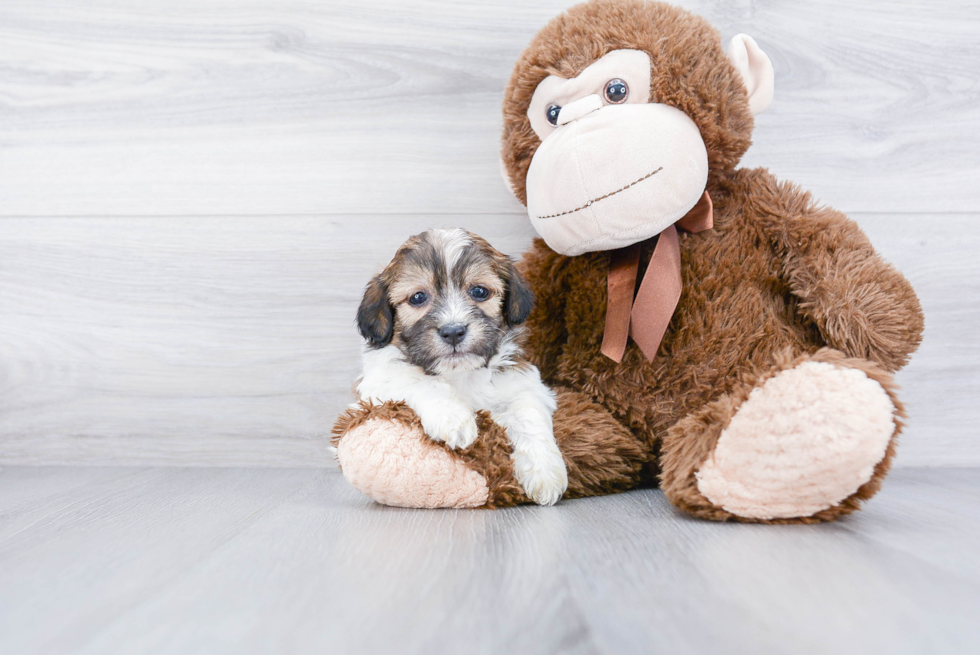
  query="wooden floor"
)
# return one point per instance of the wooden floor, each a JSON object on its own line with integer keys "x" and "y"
{"x": 215, "y": 560}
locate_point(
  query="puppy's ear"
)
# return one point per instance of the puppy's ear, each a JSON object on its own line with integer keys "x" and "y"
{"x": 376, "y": 316}
{"x": 518, "y": 299}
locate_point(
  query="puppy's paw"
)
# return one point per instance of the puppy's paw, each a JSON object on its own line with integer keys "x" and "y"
{"x": 452, "y": 423}
{"x": 541, "y": 473}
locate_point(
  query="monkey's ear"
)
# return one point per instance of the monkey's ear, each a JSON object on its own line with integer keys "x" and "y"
{"x": 756, "y": 70}
{"x": 375, "y": 316}
{"x": 518, "y": 299}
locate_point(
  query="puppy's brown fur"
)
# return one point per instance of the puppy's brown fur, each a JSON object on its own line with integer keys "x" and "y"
{"x": 439, "y": 263}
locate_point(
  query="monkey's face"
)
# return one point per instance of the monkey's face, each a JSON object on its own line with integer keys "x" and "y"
{"x": 619, "y": 114}
{"x": 613, "y": 167}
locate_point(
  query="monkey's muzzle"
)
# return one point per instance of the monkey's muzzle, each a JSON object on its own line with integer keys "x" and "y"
{"x": 615, "y": 176}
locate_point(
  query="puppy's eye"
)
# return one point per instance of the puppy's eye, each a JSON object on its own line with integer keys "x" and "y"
{"x": 617, "y": 91}
{"x": 418, "y": 298}
{"x": 552, "y": 114}
{"x": 479, "y": 293}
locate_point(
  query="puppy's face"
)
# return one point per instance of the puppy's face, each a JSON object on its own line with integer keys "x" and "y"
{"x": 446, "y": 300}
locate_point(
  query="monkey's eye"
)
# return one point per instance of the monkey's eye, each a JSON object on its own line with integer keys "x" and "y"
{"x": 617, "y": 91}
{"x": 552, "y": 114}
{"x": 418, "y": 299}
{"x": 479, "y": 293}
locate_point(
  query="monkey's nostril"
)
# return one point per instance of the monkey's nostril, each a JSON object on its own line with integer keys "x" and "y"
{"x": 452, "y": 333}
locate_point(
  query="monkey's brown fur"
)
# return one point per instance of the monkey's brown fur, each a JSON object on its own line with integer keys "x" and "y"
{"x": 689, "y": 71}
{"x": 778, "y": 281}
{"x": 594, "y": 468}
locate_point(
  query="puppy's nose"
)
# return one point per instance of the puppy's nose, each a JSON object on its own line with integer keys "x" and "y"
{"x": 452, "y": 333}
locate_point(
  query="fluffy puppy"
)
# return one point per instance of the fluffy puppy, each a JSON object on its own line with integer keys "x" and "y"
{"x": 442, "y": 325}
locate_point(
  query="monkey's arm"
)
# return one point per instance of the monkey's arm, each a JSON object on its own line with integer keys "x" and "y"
{"x": 542, "y": 268}
{"x": 861, "y": 304}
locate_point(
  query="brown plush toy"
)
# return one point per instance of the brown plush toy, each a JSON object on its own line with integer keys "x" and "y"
{"x": 706, "y": 328}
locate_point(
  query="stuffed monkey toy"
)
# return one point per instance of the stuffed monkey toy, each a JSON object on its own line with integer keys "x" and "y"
{"x": 706, "y": 328}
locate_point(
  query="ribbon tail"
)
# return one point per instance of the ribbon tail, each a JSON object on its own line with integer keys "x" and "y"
{"x": 701, "y": 216}
{"x": 658, "y": 295}
{"x": 621, "y": 282}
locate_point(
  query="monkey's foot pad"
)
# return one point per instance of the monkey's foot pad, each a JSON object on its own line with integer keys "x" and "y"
{"x": 396, "y": 464}
{"x": 802, "y": 442}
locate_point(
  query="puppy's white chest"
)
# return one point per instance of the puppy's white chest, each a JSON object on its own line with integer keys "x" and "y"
{"x": 476, "y": 390}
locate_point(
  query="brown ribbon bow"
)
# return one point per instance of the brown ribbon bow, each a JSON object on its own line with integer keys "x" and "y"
{"x": 646, "y": 318}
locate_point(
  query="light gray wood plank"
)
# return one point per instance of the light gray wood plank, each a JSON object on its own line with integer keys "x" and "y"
{"x": 197, "y": 340}
{"x": 359, "y": 578}
{"x": 933, "y": 516}
{"x": 274, "y": 107}
{"x": 230, "y": 341}
{"x": 174, "y": 561}
{"x": 22, "y": 488}
{"x": 941, "y": 385}
{"x": 83, "y": 558}
{"x": 28, "y": 495}
{"x": 656, "y": 581}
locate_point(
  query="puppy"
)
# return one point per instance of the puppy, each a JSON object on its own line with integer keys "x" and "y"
{"x": 442, "y": 325}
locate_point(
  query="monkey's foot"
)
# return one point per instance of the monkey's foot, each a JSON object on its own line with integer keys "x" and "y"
{"x": 803, "y": 441}
{"x": 384, "y": 452}
{"x": 396, "y": 464}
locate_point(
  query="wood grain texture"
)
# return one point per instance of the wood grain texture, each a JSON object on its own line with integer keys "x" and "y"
{"x": 179, "y": 107}
{"x": 192, "y": 195}
{"x": 188, "y": 340}
{"x": 295, "y": 561}
{"x": 230, "y": 341}
{"x": 941, "y": 385}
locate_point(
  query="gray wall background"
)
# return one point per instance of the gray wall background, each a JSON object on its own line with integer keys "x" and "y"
{"x": 192, "y": 195}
